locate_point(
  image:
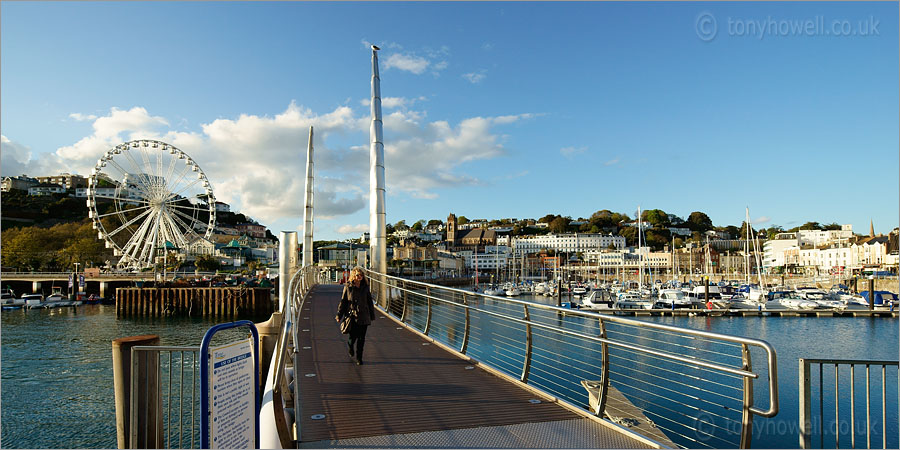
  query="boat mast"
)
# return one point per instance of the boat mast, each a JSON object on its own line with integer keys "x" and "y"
{"x": 640, "y": 255}
{"x": 747, "y": 249}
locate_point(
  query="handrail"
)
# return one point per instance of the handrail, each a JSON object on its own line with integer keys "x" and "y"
{"x": 805, "y": 400}
{"x": 553, "y": 334}
{"x": 770, "y": 351}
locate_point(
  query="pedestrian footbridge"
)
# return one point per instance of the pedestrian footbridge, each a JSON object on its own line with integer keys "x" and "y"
{"x": 448, "y": 368}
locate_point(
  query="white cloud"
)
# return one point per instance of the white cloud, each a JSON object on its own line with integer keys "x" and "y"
{"x": 16, "y": 159}
{"x": 569, "y": 152}
{"x": 761, "y": 219}
{"x": 487, "y": 46}
{"x": 611, "y": 162}
{"x": 256, "y": 163}
{"x": 394, "y": 102}
{"x": 475, "y": 77}
{"x": 353, "y": 229}
{"x": 82, "y": 117}
{"x": 407, "y": 62}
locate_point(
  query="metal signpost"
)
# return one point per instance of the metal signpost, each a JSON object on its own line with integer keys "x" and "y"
{"x": 229, "y": 381}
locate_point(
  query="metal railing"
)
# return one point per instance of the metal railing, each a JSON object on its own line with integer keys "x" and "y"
{"x": 694, "y": 388}
{"x": 160, "y": 377}
{"x": 833, "y": 431}
{"x": 280, "y": 384}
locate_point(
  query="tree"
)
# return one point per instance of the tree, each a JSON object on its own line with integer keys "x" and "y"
{"x": 400, "y": 225}
{"x": 206, "y": 263}
{"x": 462, "y": 220}
{"x": 831, "y": 226}
{"x": 559, "y": 225}
{"x": 548, "y": 218}
{"x": 435, "y": 222}
{"x": 417, "y": 226}
{"x": 733, "y": 232}
{"x": 699, "y": 221}
{"x": 656, "y": 217}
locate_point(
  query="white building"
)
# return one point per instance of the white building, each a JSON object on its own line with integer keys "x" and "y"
{"x": 628, "y": 259}
{"x": 569, "y": 242}
{"x": 46, "y": 189}
{"x": 223, "y": 207}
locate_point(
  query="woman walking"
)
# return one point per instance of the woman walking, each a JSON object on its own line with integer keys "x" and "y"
{"x": 356, "y": 301}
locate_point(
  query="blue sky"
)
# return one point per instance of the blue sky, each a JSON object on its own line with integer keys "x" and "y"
{"x": 492, "y": 110}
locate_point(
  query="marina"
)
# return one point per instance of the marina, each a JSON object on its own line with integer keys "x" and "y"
{"x": 187, "y": 323}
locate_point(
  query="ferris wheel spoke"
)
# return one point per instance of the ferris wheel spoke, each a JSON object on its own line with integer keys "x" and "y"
{"x": 191, "y": 220}
{"x": 148, "y": 250}
{"x": 131, "y": 247}
{"x": 171, "y": 171}
{"x": 125, "y": 172}
{"x": 185, "y": 170}
{"x": 176, "y": 194}
{"x": 107, "y": 197}
{"x": 129, "y": 223}
{"x": 180, "y": 237}
{"x": 127, "y": 210}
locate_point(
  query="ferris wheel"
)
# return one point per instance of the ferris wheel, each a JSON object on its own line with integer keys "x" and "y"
{"x": 146, "y": 198}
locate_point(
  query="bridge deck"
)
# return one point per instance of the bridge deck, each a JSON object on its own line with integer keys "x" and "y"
{"x": 408, "y": 394}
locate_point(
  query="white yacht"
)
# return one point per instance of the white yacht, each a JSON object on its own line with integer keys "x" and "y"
{"x": 795, "y": 302}
{"x": 632, "y": 300}
{"x": 594, "y": 301}
{"x": 7, "y": 298}
{"x": 672, "y": 298}
{"x": 33, "y": 301}
{"x": 513, "y": 291}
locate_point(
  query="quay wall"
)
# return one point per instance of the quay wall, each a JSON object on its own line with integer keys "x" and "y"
{"x": 215, "y": 302}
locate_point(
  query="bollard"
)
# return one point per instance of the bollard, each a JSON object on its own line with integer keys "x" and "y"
{"x": 121, "y": 358}
{"x": 871, "y": 294}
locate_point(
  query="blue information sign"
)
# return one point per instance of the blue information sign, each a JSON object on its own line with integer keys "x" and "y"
{"x": 229, "y": 389}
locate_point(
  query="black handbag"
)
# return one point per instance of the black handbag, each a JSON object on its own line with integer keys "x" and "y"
{"x": 346, "y": 324}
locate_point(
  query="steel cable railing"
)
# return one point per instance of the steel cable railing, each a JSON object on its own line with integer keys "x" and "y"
{"x": 691, "y": 388}
{"x": 830, "y": 424}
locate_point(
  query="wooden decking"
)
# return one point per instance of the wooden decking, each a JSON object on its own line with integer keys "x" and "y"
{"x": 409, "y": 387}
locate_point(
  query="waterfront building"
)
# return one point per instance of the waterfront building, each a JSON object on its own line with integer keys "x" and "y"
{"x": 567, "y": 242}
{"x": 223, "y": 207}
{"x": 21, "y": 182}
{"x": 340, "y": 255}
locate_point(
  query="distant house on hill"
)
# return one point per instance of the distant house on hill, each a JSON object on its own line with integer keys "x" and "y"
{"x": 21, "y": 182}
{"x": 46, "y": 189}
{"x": 66, "y": 180}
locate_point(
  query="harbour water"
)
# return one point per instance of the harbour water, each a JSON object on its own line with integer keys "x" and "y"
{"x": 57, "y": 387}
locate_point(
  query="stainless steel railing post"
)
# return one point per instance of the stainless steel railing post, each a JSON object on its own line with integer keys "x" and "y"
{"x": 604, "y": 374}
{"x": 526, "y": 365}
{"x": 428, "y": 318}
{"x": 805, "y": 407}
{"x": 465, "y": 342}
{"x": 747, "y": 415}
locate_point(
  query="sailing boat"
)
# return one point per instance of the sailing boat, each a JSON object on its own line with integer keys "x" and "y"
{"x": 759, "y": 294}
{"x": 633, "y": 299}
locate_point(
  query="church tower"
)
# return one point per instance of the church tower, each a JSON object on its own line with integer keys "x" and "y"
{"x": 451, "y": 229}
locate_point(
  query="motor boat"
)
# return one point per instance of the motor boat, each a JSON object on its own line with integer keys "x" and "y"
{"x": 672, "y": 298}
{"x": 594, "y": 300}
{"x": 513, "y": 291}
{"x": 8, "y": 299}
{"x": 33, "y": 301}
{"x": 796, "y": 302}
{"x": 579, "y": 291}
{"x": 632, "y": 300}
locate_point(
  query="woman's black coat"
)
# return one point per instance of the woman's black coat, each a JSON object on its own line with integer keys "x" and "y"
{"x": 357, "y": 299}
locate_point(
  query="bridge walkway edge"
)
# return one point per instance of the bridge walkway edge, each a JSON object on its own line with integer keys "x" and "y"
{"x": 411, "y": 392}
